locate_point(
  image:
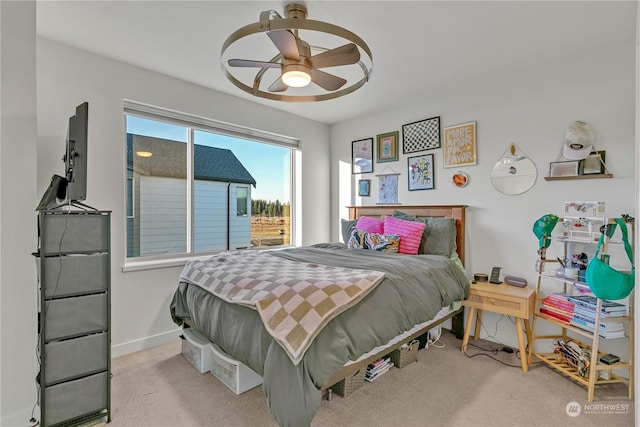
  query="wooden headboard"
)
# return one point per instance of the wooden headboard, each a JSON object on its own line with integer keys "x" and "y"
{"x": 453, "y": 211}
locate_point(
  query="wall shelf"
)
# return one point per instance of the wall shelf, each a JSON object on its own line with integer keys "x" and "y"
{"x": 590, "y": 176}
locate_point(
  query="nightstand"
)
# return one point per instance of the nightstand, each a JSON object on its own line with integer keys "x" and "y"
{"x": 500, "y": 299}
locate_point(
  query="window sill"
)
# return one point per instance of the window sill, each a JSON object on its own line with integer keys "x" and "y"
{"x": 138, "y": 265}
{"x": 132, "y": 265}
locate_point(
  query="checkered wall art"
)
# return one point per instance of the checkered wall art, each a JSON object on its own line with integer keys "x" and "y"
{"x": 421, "y": 135}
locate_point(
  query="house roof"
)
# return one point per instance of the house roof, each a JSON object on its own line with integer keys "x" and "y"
{"x": 219, "y": 164}
{"x": 169, "y": 160}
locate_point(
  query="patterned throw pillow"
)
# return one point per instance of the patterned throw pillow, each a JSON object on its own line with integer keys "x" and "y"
{"x": 389, "y": 243}
{"x": 360, "y": 239}
{"x": 410, "y": 233}
{"x": 347, "y": 226}
{"x": 355, "y": 240}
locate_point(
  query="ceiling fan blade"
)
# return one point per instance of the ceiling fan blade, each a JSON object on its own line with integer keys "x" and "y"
{"x": 250, "y": 63}
{"x": 343, "y": 55}
{"x": 278, "y": 86}
{"x": 327, "y": 81}
{"x": 286, "y": 43}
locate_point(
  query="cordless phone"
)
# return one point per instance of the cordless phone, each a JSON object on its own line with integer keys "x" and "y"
{"x": 495, "y": 275}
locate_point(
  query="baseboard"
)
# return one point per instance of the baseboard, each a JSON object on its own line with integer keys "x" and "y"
{"x": 145, "y": 343}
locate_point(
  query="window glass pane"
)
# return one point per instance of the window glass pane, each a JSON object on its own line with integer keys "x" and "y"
{"x": 157, "y": 162}
{"x": 264, "y": 170}
{"x": 242, "y": 204}
{"x": 191, "y": 182}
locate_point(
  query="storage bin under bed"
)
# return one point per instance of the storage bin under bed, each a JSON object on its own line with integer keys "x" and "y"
{"x": 205, "y": 356}
{"x": 197, "y": 349}
{"x": 232, "y": 373}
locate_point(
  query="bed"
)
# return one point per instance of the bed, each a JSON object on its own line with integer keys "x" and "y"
{"x": 411, "y": 295}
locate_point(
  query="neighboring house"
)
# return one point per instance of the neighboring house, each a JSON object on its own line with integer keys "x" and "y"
{"x": 157, "y": 194}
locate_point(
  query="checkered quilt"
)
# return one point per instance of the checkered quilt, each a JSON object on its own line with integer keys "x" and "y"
{"x": 294, "y": 299}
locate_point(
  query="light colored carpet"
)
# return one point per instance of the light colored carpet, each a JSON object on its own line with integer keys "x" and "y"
{"x": 158, "y": 387}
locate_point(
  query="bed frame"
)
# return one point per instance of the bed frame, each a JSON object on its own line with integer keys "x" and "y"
{"x": 379, "y": 211}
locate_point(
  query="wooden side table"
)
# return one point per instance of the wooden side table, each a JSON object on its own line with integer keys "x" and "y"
{"x": 501, "y": 299}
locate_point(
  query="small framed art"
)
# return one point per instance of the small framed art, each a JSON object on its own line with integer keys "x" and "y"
{"x": 593, "y": 164}
{"x": 459, "y": 145}
{"x": 558, "y": 169}
{"x": 362, "y": 156}
{"x": 387, "y": 147}
{"x": 421, "y": 135}
{"x": 421, "y": 173}
{"x": 364, "y": 187}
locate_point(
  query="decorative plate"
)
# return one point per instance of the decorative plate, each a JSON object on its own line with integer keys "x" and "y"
{"x": 460, "y": 179}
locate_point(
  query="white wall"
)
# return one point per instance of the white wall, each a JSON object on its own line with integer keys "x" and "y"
{"x": 532, "y": 109}
{"x": 18, "y": 200}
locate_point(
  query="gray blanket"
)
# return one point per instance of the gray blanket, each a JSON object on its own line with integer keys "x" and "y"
{"x": 414, "y": 289}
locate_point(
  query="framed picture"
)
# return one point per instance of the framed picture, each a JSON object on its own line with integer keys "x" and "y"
{"x": 388, "y": 189}
{"x": 420, "y": 136}
{"x": 557, "y": 169}
{"x": 421, "y": 173}
{"x": 459, "y": 145}
{"x": 362, "y": 156}
{"x": 593, "y": 164}
{"x": 364, "y": 186}
{"x": 387, "y": 147}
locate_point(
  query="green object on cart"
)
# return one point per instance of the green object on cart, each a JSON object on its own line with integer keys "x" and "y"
{"x": 543, "y": 227}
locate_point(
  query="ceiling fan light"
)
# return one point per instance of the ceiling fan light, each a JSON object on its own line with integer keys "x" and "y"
{"x": 298, "y": 60}
{"x": 296, "y": 76}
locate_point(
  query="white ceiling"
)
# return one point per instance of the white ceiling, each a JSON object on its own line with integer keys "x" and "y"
{"x": 418, "y": 46}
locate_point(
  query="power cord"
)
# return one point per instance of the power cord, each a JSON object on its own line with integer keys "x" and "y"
{"x": 433, "y": 338}
{"x": 490, "y": 350}
{"x": 503, "y": 347}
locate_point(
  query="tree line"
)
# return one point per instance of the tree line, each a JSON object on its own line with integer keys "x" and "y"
{"x": 261, "y": 207}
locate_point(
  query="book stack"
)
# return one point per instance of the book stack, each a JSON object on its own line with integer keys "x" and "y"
{"x": 378, "y": 368}
{"x": 585, "y": 315}
{"x": 558, "y": 306}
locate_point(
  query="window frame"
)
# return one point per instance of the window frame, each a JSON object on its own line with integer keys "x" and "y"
{"x": 246, "y": 200}
{"x": 198, "y": 123}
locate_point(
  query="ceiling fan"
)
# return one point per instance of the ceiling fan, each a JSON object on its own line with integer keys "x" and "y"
{"x": 298, "y": 67}
{"x": 297, "y": 64}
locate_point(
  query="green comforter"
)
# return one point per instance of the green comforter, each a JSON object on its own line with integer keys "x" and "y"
{"x": 414, "y": 289}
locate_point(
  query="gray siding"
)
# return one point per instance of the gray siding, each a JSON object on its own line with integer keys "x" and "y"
{"x": 162, "y": 216}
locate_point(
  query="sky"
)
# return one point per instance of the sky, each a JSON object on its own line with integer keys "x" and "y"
{"x": 268, "y": 164}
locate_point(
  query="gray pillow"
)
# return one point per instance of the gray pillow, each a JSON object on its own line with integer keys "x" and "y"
{"x": 439, "y": 236}
{"x": 347, "y": 226}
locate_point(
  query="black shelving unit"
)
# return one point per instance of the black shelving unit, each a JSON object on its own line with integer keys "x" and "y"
{"x": 74, "y": 316}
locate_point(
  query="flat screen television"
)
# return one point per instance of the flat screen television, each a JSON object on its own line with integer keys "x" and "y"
{"x": 75, "y": 157}
{"x": 72, "y": 187}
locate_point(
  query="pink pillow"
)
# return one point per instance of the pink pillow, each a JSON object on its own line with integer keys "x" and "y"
{"x": 410, "y": 233}
{"x": 372, "y": 225}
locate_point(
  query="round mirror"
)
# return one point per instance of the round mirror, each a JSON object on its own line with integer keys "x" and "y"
{"x": 514, "y": 173}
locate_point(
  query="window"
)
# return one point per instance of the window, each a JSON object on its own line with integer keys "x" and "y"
{"x": 196, "y": 186}
{"x": 242, "y": 202}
